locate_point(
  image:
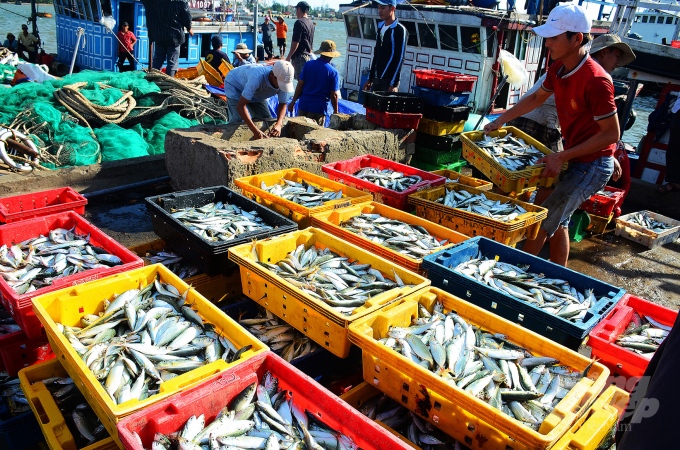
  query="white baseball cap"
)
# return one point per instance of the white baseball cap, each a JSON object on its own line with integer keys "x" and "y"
{"x": 284, "y": 72}
{"x": 565, "y": 18}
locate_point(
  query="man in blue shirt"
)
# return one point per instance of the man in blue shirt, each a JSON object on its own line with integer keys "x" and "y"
{"x": 242, "y": 56}
{"x": 319, "y": 84}
{"x": 11, "y": 43}
{"x": 247, "y": 89}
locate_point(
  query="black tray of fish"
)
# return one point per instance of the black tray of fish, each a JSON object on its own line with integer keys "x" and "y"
{"x": 447, "y": 143}
{"x": 447, "y": 113}
{"x": 211, "y": 257}
{"x": 394, "y": 102}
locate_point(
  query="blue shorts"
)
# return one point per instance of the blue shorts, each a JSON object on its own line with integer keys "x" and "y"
{"x": 580, "y": 182}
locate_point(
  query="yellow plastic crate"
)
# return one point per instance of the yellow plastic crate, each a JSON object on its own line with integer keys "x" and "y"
{"x": 473, "y": 224}
{"x": 434, "y": 128}
{"x": 482, "y": 185}
{"x": 598, "y": 224}
{"x": 464, "y": 417}
{"x": 49, "y": 417}
{"x": 251, "y": 188}
{"x": 330, "y": 221}
{"x": 67, "y": 306}
{"x": 508, "y": 181}
{"x": 314, "y": 318}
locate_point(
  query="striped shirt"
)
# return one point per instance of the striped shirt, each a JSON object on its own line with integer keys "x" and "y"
{"x": 389, "y": 53}
{"x": 166, "y": 21}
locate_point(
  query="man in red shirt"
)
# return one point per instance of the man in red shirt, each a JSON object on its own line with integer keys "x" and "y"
{"x": 125, "y": 46}
{"x": 584, "y": 98}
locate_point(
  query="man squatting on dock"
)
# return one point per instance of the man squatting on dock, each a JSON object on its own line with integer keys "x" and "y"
{"x": 584, "y": 96}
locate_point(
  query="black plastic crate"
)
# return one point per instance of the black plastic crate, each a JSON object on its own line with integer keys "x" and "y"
{"x": 446, "y": 113}
{"x": 447, "y": 143}
{"x": 394, "y": 102}
{"x": 211, "y": 257}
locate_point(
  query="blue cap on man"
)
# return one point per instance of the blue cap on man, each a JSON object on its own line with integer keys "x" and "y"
{"x": 387, "y": 2}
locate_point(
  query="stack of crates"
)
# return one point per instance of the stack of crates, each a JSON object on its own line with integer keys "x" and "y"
{"x": 446, "y": 95}
{"x": 393, "y": 109}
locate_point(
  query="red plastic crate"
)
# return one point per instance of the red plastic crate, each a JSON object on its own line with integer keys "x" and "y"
{"x": 342, "y": 172}
{"x": 20, "y": 306}
{"x": 393, "y": 120}
{"x": 17, "y": 351}
{"x": 38, "y": 204}
{"x": 620, "y": 361}
{"x": 210, "y": 397}
{"x": 444, "y": 81}
{"x": 604, "y": 206}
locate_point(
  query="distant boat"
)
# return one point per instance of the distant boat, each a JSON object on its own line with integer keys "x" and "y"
{"x": 17, "y": 2}
{"x": 44, "y": 14}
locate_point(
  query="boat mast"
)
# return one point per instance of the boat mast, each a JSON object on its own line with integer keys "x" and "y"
{"x": 34, "y": 19}
{"x": 255, "y": 24}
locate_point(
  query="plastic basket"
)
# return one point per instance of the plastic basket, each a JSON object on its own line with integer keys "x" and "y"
{"x": 625, "y": 365}
{"x": 20, "y": 305}
{"x": 446, "y": 143}
{"x": 473, "y": 224}
{"x": 598, "y": 224}
{"x": 298, "y": 213}
{"x": 436, "y": 157}
{"x": 393, "y": 120}
{"x": 343, "y": 171}
{"x": 441, "y": 98}
{"x": 210, "y": 257}
{"x": 212, "y": 76}
{"x": 435, "y": 128}
{"x": 314, "y": 318}
{"x": 518, "y": 311}
{"x": 511, "y": 181}
{"x": 19, "y": 432}
{"x": 646, "y": 237}
{"x": 38, "y": 204}
{"x": 443, "y": 80}
{"x": 464, "y": 417}
{"x": 393, "y": 102}
{"x": 447, "y": 113}
{"x": 330, "y": 221}
{"x": 50, "y": 418}
{"x": 457, "y": 177}
{"x": 603, "y": 206}
{"x": 210, "y": 397}
{"x": 432, "y": 168}
{"x": 17, "y": 351}
{"x": 69, "y": 305}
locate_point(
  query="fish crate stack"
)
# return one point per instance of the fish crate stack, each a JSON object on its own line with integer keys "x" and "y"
{"x": 17, "y": 351}
{"x": 393, "y": 109}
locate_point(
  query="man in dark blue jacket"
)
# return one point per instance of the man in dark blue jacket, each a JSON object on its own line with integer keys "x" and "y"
{"x": 166, "y": 21}
{"x": 390, "y": 44}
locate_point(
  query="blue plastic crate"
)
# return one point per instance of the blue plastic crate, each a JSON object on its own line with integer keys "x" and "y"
{"x": 19, "y": 432}
{"x": 518, "y": 311}
{"x": 441, "y": 98}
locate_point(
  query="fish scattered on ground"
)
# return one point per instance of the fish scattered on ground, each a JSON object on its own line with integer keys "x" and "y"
{"x": 645, "y": 220}
{"x": 643, "y": 335}
{"x": 220, "y": 222}
{"x": 481, "y": 204}
{"x": 510, "y": 152}
{"x": 37, "y": 262}
{"x": 144, "y": 337}
{"x": 552, "y": 295}
{"x": 262, "y": 416}
{"x": 390, "y": 179}
{"x": 12, "y": 395}
{"x": 487, "y": 366}
{"x": 331, "y": 278}
{"x": 302, "y": 193}
{"x": 174, "y": 262}
{"x": 280, "y": 337}
{"x": 411, "y": 240}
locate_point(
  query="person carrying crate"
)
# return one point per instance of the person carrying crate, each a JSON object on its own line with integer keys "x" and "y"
{"x": 584, "y": 97}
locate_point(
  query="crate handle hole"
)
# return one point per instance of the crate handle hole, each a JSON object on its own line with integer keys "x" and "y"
{"x": 376, "y": 381}
{"x": 304, "y": 319}
{"x": 405, "y": 387}
{"x": 285, "y": 298}
{"x": 437, "y": 406}
{"x": 468, "y": 294}
{"x": 327, "y": 334}
{"x": 285, "y": 315}
{"x": 520, "y": 317}
{"x": 305, "y": 328}
{"x": 327, "y": 344}
{"x": 265, "y": 285}
{"x": 284, "y": 306}
{"x": 304, "y": 309}
{"x": 377, "y": 368}
{"x": 619, "y": 366}
{"x": 446, "y": 282}
{"x": 471, "y": 428}
{"x": 507, "y": 447}
{"x": 468, "y": 440}
{"x": 548, "y": 329}
{"x": 404, "y": 399}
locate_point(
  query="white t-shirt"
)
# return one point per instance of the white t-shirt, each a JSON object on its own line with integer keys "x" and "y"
{"x": 546, "y": 114}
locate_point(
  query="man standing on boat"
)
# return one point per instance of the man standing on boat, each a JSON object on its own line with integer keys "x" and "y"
{"x": 390, "y": 44}
{"x": 584, "y": 96}
{"x": 302, "y": 45}
{"x": 27, "y": 43}
{"x": 267, "y": 29}
{"x": 126, "y": 45}
{"x": 281, "y": 30}
{"x": 166, "y": 21}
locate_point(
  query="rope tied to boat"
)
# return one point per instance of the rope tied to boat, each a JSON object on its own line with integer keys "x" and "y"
{"x": 165, "y": 82}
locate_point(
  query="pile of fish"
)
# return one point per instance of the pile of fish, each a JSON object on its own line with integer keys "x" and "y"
{"x": 37, "y": 262}
{"x": 220, "y": 221}
{"x": 605, "y": 193}
{"x": 480, "y": 204}
{"x": 487, "y": 366}
{"x": 262, "y": 416}
{"x": 510, "y": 152}
{"x": 174, "y": 262}
{"x": 325, "y": 275}
{"x": 643, "y": 335}
{"x": 411, "y": 240}
{"x": 552, "y": 295}
{"x": 645, "y": 220}
{"x": 12, "y": 395}
{"x": 144, "y": 337}
{"x": 280, "y": 337}
{"x": 420, "y": 432}
{"x": 302, "y": 193}
{"x": 387, "y": 178}
{"x": 7, "y": 323}
{"x": 81, "y": 420}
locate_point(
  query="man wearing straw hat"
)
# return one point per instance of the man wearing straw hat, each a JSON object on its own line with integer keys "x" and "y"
{"x": 243, "y": 56}
{"x": 319, "y": 85}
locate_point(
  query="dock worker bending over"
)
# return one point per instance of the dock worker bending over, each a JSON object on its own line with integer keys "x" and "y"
{"x": 390, "y": 44}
